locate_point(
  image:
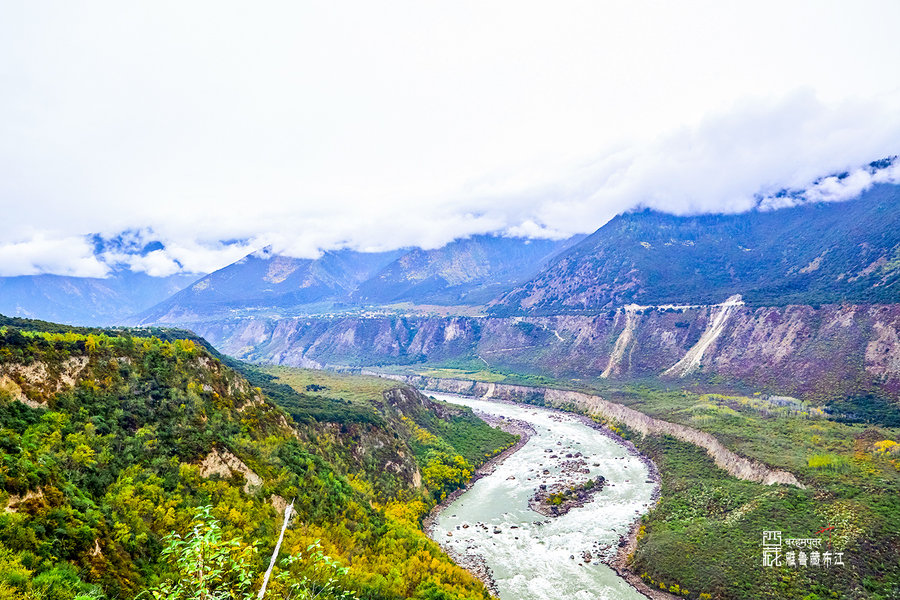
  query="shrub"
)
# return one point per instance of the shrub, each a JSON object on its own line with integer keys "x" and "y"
{"x": 885, "y": 447}
{"x": 831, "y": 462}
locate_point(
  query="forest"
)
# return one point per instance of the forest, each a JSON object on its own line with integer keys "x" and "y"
{"x": 124, "y": 451}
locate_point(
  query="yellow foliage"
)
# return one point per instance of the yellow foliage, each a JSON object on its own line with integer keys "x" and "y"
{"x": 445, "y": 472}
{"x": 423, "y": 436}
{"x": 186, "y": 346}
{"x": 408, "y": 512}
{"x": 885, "y": 447}
{"x": 360, "y": 485}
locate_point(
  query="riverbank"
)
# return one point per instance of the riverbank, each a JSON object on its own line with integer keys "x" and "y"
{"x": 628, "y": 542}
{"x": 734, "y": 464}
{"x": 729, "y": 520}
{"x": 617, "y": 560}
{"x": 474, "y": 563}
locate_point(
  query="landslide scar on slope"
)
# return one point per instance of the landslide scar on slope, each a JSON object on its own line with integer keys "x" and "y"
{"x": 691, "y": 361}
{"x": 622, "y": 341}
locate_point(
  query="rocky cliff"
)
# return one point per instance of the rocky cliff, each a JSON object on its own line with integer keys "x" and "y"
{"x": 818, "y": 354}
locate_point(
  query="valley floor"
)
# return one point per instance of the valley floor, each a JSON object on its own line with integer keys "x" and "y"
{"x": 557, "y": 555}
{"x": 704, "y": 537}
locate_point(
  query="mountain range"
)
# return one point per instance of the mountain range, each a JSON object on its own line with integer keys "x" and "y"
{"x": 817, "y": 253}
{"x": 465, "y": 272}
{"x": 266, "y": 280}
{"x": 771, "y": 300}
{"x": 86, "y": 300}
{"x": 811, "y": 254}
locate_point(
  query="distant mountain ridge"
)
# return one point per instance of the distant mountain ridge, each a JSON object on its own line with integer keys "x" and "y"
{"x": 810, "y": 254}
{"x": 86, "y": 300}
{"x": 264, "y": 279}
{"x": 468, "y": 271}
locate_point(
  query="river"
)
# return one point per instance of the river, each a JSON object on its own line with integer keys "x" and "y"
{"x": 534, "y": 557}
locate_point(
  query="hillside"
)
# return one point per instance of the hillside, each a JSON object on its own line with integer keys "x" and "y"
{"x": 113, "y": 439}
{"x": 467, "y": 271}
{"x": 847, "y": 354}
{"x": 810, "y": 254}
{"x": 270, "y": 281}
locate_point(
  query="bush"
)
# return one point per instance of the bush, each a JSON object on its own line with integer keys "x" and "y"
{"x": 831, "y": 462}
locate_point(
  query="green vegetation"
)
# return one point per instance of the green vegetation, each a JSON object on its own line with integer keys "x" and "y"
{"x": 111, "y": 440}
{"x": 704, "y": 537}
{"x": 866, "y": 408}
{"x": 442, "y": 434}
{"x": 347, "y": 402}
{"x": 838, "y": 464}
{"x": 572, "y": 492}
{"x": 480, "y": 374}
{"x": 206, "y": 566}
{"x": 705, "y": 534}
{"x": 359, "y": 389}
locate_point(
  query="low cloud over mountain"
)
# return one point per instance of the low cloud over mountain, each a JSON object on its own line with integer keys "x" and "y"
{"x": 312, "y": 134}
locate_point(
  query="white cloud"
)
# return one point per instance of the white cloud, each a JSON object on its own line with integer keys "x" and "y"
{"x": 204, "y": 258}
{"x": 68, "y": 256}
{"x": 312, "y": 127}
{"x": 530, "y": 229}
{"x": 156, "y": 264}
{"x": 186, "y": 256}
{"x": 725, "y": 163}
{"x": 838, "y": 189}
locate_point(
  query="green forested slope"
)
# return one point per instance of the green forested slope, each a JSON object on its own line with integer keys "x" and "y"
{"x": 109, "y": 441}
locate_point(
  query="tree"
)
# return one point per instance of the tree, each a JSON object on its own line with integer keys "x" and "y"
{"x": 209, "y": 567}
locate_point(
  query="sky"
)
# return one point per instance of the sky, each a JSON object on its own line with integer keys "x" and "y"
{"x": 218, "y": 128}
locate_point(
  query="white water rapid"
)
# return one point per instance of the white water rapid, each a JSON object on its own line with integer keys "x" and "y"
{"x": 531, "y": 556}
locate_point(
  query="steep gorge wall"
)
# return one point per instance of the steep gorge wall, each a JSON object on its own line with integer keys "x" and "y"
{"x": 734, "y": 464}
{"x": 813, "y": 353}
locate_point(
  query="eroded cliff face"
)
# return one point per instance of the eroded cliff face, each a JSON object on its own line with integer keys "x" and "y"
{"x": 735, "y": 464}
{"x": 33, "y": 383}
{"x": 813, "y": 353}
